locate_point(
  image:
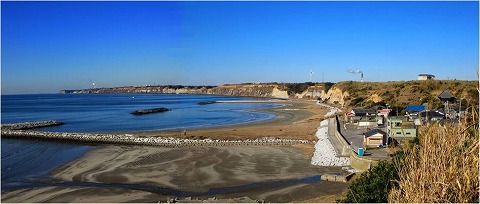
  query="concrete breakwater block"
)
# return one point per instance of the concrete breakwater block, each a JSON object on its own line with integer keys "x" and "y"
{"x": 148, "y": 111}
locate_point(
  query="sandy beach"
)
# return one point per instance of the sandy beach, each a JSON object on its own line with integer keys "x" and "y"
{"x": 295, "y": 119}
{"x": 194, "y": 171}
{"x": 152, "y": 174}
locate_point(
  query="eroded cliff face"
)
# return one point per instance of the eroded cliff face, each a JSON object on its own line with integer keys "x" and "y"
{"x": 333, "y": 95}
{"x": 253, "y": 90}
{"x": 336, "y": 96}
{"x": 260, "y": 90}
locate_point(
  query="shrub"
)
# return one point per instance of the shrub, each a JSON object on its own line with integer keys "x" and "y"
{"x": 357, "y": 101}
{"x": 373, "y": 185}
{"x": 298, "y": 87}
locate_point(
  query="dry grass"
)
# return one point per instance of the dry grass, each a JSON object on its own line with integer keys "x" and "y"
{"x": 443, "y": 167}
{"x": 402, "y": 93}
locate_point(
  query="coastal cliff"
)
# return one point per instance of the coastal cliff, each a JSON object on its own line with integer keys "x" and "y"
{"x": 348, "y": 93}
{"x": 252, "y": 90}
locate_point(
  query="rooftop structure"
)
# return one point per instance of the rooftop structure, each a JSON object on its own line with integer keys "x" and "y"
{"x": 446, "y": 96}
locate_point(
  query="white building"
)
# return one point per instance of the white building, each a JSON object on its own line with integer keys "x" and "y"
{"x": 426, "y": 76}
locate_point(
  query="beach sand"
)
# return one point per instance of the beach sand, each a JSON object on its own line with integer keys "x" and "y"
{"x": 193, "y": 170}
{"x": 296, "y": 119}
{"x": 196, "y": 170}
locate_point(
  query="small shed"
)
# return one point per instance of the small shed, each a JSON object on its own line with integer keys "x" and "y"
{"x": 374, "y": 138}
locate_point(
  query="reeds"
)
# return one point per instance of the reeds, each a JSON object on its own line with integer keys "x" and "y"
{"x": 443, "y": 167}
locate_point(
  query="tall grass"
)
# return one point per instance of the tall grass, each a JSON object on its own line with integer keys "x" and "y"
{"x": 442, "y": 167}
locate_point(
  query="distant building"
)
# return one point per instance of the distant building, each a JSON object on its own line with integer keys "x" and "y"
{"x": 446, "y": 96}
{"x": 400, "y": 128}
{"x": 374, "y": 138}
{"x": 426, "y": 76}
{"x": 431, "y": 116}
{"x": 414, "y": 108}
{"x": 363, "y": 117}
{"x": 362, "y": 112}
{"x": 383, "y": 115}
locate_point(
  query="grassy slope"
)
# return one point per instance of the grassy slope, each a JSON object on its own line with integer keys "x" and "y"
{"x": 402, "y": 93}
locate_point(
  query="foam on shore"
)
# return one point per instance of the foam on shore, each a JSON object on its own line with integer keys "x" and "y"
{"x": 325, "y": 154}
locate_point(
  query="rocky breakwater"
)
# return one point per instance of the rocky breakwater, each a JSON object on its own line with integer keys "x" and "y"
{"x": 325, "y": 154}
{"x": 31, "y": 125}
{"x": 206, "y": 102}
{"x": 149, "y": 111}
{"x": 128, "y": 139}
{"x": 19, "y": 131}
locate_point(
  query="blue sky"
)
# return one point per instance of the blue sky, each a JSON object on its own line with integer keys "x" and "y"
{"x": 49, "y": 46}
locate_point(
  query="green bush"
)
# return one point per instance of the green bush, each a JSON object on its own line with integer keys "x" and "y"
{"x": 373, "y": 185}
{"x": 294, "y": 88}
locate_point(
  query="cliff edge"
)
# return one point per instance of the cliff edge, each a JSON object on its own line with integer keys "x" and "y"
{"x": 347, "y": 93}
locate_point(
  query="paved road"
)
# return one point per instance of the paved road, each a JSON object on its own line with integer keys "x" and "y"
{"x": 338, "y": 146}
{"x": 354, "y": 135}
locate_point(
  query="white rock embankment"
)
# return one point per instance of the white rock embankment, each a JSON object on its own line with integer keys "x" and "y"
{"x": 325, "y": 154}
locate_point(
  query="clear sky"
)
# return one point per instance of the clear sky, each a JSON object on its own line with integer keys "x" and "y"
{"x": 49, "y": 46}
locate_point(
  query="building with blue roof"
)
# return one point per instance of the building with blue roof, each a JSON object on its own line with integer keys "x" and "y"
{"x": 415, "y": 108}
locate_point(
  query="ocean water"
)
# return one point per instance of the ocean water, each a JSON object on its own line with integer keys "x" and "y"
{"x": 24, "y": 160}
{"x": 111, "y": 112}
{"x": 29, "y": 159}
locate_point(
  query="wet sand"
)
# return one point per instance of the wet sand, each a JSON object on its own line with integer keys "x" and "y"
{"x": 198, "y": 170}
{"x": 194, "y": 170}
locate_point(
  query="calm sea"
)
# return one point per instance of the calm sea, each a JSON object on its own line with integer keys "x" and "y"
{"x": 24, "y": 160}
{"x": 111, "y": 112}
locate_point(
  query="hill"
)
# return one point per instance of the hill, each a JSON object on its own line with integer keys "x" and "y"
{"x": 403, "y": 93}
{"x": 347, "y": 93}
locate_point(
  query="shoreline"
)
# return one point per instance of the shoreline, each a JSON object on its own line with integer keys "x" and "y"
{"x": 294, "y": 123}
{"x": 296, "y": 119}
